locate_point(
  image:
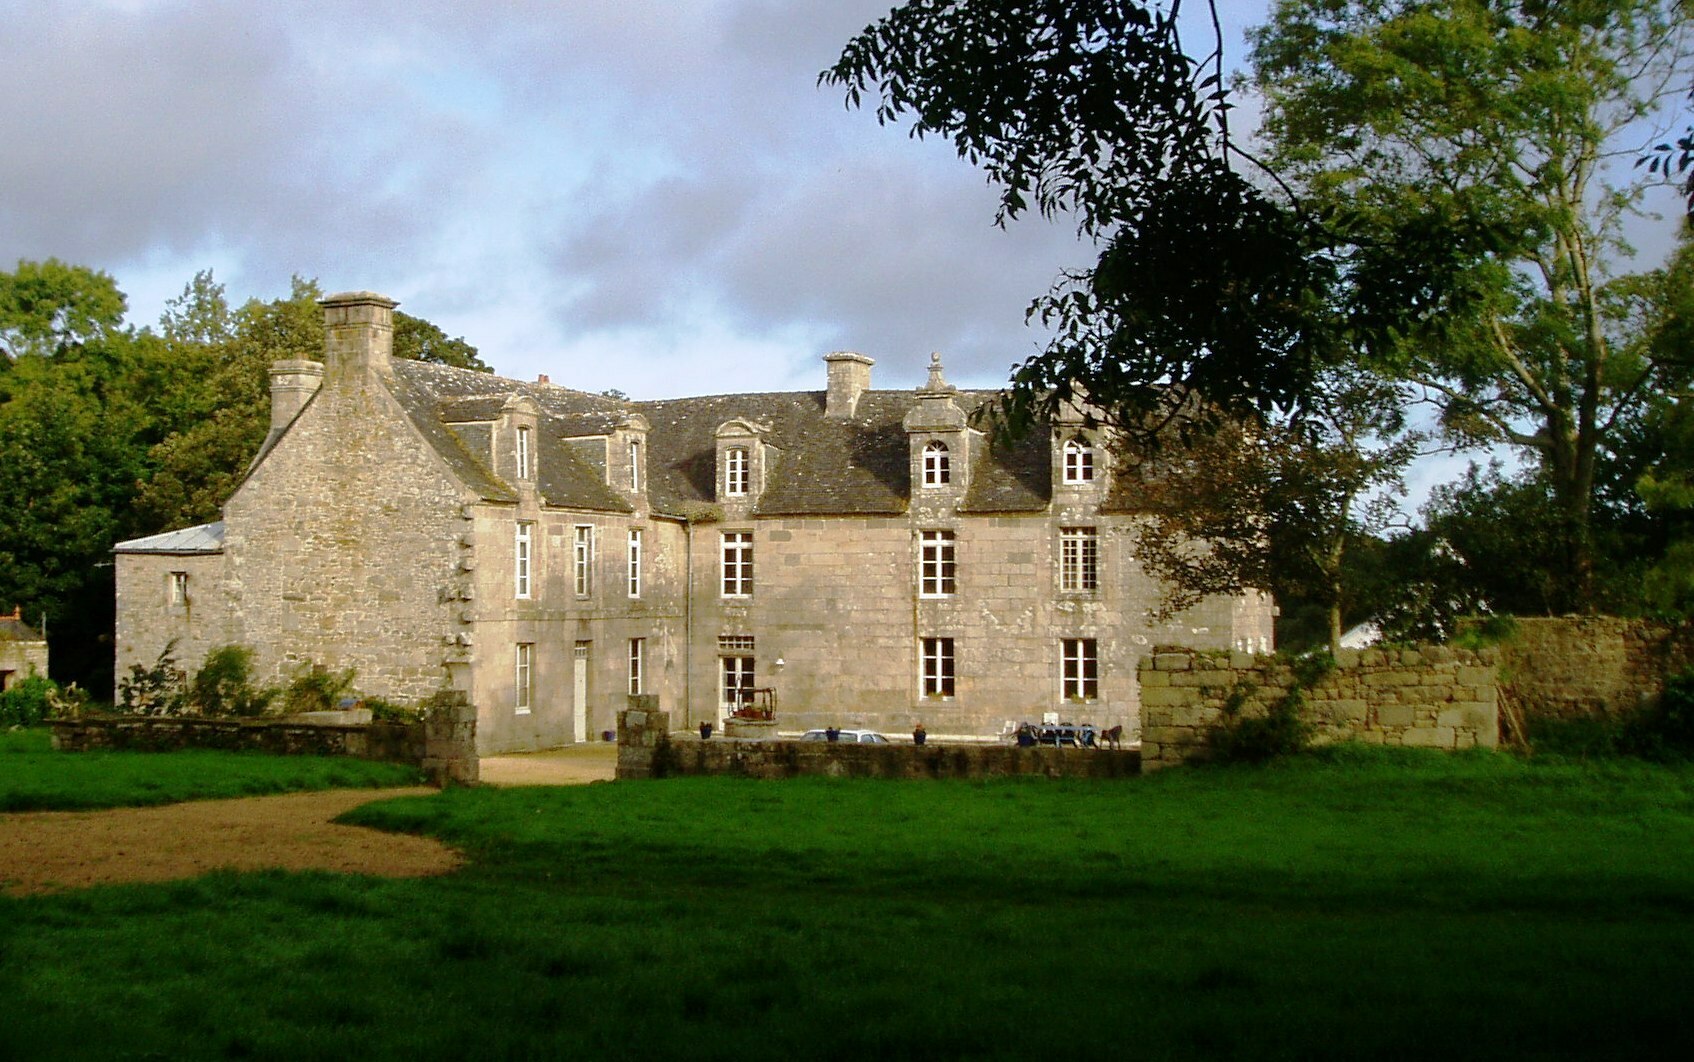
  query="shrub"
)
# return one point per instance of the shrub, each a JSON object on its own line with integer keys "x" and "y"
{"x": 386, "y": 711}
{"x": 1282, "y": 730}
{"x": 315, "y": 688}
{"x": 223, "y": 685}
{"x": 28, "y": 702}
{"x": 156, "y": 690}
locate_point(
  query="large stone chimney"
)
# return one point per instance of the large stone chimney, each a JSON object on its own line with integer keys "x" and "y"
{"x": 293, "y": 383}
{"x": 358, "y": 333}
{"x": 849, "y": 377}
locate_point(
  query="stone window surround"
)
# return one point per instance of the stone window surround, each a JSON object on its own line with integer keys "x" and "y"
{"x": 737, "y": 472}
{"x": 937, "y": 464}
{"x": 1079, "y": 669}
{"x": 736, "y": 564}
{"x": 523, "y": 558}
{"x": 937, "y": 564}
{"x": 525, "y": 452}
{"x": 1078, "y": 460}
{"x": 176, "y": 589}
{"x": 582, "y": 558}
{"x": 1079, "y": 560}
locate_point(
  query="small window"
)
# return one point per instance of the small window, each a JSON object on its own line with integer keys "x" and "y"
{"x": 583, "y": 557}
{"x": 1081, "y": 669}
{"x": 635, "y": 562}
{"x": 937, "y": 569}
{"x": 1079, "y": 461}
{"x": 177, "y": 589}
{"x": 523, "y": 453}
{"x": 736, "y": 475}
{"x": 1079, "y": 560}
{"x": 637, "y": 657}
{"x": 735, "y": 644}
{"x": 523, "y": 678}
{"x": 635, "y": 465}
{"x": 521, "y": 550}
{"x": 937, "y": 466}
{"x": 738, "y": 564}
{"x": 938, "y": 667}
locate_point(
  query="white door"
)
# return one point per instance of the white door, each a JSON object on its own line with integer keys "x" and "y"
{"x": 579, "y": 689}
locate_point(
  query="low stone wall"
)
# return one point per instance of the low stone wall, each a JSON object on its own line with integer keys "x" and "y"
{"x": 1570, "y": 667}
{"x": 648, "y": 749}
{"x": 1433, "y": 696}
{"x": 443, "y": 746}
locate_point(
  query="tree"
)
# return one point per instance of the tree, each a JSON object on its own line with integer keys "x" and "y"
{"x": 1498, "y": 117}
{"x": 1278, "y": 507}
{"x": 49, "y": 307}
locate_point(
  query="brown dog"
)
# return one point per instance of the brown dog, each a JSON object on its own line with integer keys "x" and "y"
{"x": 1112, "y": 738}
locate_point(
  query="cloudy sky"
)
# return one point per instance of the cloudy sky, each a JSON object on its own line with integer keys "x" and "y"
{"x": 651, "y": 196}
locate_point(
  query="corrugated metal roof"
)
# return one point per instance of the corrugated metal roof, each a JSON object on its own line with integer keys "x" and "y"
{"x": 204, "y": 538}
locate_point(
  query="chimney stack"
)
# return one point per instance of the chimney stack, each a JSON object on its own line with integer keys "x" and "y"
{"x": 293, "y": 382}
{"x": 358, "y": 333}
{"x": 849, "y": 377}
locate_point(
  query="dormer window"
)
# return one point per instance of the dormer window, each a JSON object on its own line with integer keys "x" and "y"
{"x": 937, "y": 468}
{"x": 736, "y": 476}
{"x": 635, "y": 466}
{"x": 524, "y": 451}
{"x": 1079, "y": 461}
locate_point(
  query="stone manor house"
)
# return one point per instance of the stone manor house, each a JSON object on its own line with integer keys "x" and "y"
{"x": 859, "y": 557}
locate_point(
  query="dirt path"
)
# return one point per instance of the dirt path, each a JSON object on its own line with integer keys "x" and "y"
{"x": 48, "y": 851}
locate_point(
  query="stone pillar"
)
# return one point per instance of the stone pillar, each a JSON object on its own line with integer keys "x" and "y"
{"x": 644, "y": 738}
{"x": 449, "y": 752}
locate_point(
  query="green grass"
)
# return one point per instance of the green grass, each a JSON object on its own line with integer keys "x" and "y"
{"x": 35, "y": 778}
{"x": 1361, "y": 906}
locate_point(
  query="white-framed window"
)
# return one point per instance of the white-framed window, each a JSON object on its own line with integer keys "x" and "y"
{"x": 938, "y": 667}
{"x": 523, "y": 678}
{"x": 523, "y": 545}
{"x": 937, "y": 567}
{"x": 635, "y": 465}
{"x": 737, "y": 476}
{"x": 1081, "y": 669}
{"x": 738, "y": 564}
{"x": 637, "y": 658}
{"x": 582, "y": 556}
{"x": 735, "y": 681}
{"x": 635, "y": 562}
{"x": 1079, "y": 560}
{"x": 176, "y": 589}
{"x": 523, "y": 453}
{"x": 937, "y": 464}
{"x": 1079, "y": 461}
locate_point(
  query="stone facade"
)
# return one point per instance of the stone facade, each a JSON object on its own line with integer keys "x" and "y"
{"x": 852, "y": 556}
{"x": 1430, "y": 697}
{"x": 1570, "y": 667}
{"x": 23, "y": 650}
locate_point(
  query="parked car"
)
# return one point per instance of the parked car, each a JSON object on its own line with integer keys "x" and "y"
{"x": 846, "y": 737}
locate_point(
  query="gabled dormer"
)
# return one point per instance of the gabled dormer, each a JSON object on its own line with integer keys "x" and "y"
{"x": 938, "y": 440}
{"x": 743, "y": 461}
{"x": 626, "y": 457}
{"x": 1080, "y": 463}
{"x": 517, "y": 439}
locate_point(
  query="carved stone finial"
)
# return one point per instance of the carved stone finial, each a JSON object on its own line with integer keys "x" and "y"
{"x": 937, "y": 382}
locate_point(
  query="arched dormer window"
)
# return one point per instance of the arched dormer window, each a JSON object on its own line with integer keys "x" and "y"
{"x": 937, "y": 465}
{"x": 1079, "y": 461}
{"x": 736, "y": 474}
{"x": 525, "y": 452}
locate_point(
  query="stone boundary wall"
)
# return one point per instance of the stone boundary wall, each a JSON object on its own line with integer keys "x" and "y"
{"x": 648, "y": 749}
{"x": 1431, "y": 696}
{"x": 443, "y": 746}
{"x": 1571, "y": 667}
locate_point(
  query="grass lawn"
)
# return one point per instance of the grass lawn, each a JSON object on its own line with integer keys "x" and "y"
{"x": 35, "y": 778}
{"x": 1366, "y": 906}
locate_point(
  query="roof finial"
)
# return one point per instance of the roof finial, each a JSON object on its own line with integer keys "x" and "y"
{"x": 936, "y": 381}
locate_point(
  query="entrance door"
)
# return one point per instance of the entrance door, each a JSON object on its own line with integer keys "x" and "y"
{"x": 579, "y": 688}
{"x": 735, "y": 685}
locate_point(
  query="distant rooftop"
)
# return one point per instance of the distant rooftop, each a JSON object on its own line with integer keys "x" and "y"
{"x": 204, "y": 538}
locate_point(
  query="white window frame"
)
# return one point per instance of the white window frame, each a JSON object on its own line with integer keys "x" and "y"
{"x": 1079, "y": 560}
{"x": 637, "y": 660}
{"x": 1079, "y": 669}
{"x": 937, "y": 464}
{"x": 635, "y": 562}
{"x": 1079, "y": 461}
{"x": 582, "y": 558}
{"x": 938, "y": 568}
{"x": 735, "y": 673}
{"x": 939, "y": 667}
{"x": 523, "y": 559}
{"x": 736, "y": 564}
{"x": 176, "y": 589}
{"x": 523, "y": 453}
{"x": 737, "y": 472}
{"x": 635, "y": 465}
{"x": 523, "y": 678}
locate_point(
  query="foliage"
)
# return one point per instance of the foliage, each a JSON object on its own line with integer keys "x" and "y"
{"x": 1277, "y": 505}
{"x": 1486, "y": 631}
{"x": 156, "y": 690}
{"x": 386, "y": 711}
{"x": 27, "y": 702}
{"x": 223, "y": 686}
{"x": 419, "y": 340}
{"x": 1280, "y": 729}
{"x": 1495, "y": 116}
{"x": 50, "y": 308}
{"x": 315, "y": 688}
{"x": 34, "y": 777}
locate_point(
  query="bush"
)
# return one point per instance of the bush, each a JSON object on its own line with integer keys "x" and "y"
{"x": 1661, "y": 731}
{"x": 223, "y": 686}
{"x": 386, "y": 711}
{"x": 156, "y": 690}
{"x": 28, "y": 702}
{"x": 317, "y": 689}
{"x": 1282, "y": 730}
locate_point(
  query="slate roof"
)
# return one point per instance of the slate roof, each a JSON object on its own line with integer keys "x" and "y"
{"x": 823, "y": 466}
{"x": 187, "y": 541}
{"x": 13, "y": 629}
